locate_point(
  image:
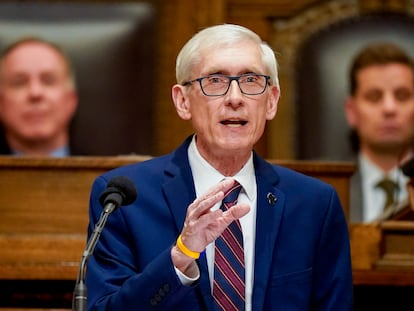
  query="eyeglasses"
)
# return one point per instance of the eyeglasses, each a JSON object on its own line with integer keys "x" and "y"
{"x": 219, "y": 85}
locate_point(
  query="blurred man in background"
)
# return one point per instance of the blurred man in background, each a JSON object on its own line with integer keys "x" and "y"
{"x": 380, "y": 112}
{"x": 38, "y": 99}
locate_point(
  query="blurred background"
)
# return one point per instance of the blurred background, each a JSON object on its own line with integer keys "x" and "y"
{"x": 124, "y": 55}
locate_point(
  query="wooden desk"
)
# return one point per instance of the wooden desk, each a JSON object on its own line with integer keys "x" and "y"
{"x": 44, "y": 208}
{"x": 383, "y": 277}
{"x": 366, "y": 252}
{"x": 44, "y": 216}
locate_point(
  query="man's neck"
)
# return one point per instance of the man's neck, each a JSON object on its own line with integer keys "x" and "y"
{"x": 385, "y": 161}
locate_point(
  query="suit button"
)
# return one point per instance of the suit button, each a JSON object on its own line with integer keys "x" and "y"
{"x": 166, "y": 287}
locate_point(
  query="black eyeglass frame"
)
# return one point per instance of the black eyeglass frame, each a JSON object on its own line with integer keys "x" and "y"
{"x": 231, "y": 78}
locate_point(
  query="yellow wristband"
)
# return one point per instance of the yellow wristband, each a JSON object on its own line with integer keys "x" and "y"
{"x": 185, "y": 250}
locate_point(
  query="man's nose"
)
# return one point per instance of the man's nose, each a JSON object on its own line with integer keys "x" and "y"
{"x": 234, "y": 94}
{"x": 35, "y": 88}
{"x": 390, "y": 102}
{"x": 234, "y": 88}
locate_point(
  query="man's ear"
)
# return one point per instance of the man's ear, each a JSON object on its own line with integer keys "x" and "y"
{"x": 272, "y": 104}
{"x": 349, "y": 107}
{"x": 73, "y": 102}
{"x": 181, "y": 102}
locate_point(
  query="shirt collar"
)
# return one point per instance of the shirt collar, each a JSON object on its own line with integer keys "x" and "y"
{"x": 373, "y": 174}
{"x": 61, "y": 152}
{"x": 205, "y": 175}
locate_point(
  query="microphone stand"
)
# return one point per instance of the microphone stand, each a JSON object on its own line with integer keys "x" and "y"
{"x": 80, "y": 292}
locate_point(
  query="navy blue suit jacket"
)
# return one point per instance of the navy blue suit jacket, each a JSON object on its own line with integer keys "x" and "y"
{"x": 302, "y": 254}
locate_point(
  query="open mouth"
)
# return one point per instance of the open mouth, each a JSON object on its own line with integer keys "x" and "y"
{"x": 233, "y": 123}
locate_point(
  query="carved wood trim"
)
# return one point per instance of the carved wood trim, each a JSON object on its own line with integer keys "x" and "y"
{"x": 286, "y": 38}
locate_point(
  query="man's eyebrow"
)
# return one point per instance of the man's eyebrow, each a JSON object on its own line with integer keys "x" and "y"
{"x": 222, "y": 72}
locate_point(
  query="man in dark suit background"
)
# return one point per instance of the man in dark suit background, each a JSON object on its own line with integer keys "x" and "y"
{"x": 38, "y": 99}
{"x": 380, "y": 111}
{"x": 159, "y": 253}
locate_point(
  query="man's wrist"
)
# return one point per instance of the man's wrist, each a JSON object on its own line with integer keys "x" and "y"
{"x": 185, "y": 250}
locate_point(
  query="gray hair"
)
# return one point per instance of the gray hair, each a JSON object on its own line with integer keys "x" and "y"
{"x": 221, "y": 35}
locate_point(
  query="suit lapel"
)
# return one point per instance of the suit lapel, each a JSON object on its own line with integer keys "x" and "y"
{"x": 355, "y": 199}
{"x": 179, "y": 180}
{"x": 270, "y": 206}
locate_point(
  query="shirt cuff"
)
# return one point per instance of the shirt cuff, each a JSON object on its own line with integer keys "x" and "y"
{"x": 188, "y": 280}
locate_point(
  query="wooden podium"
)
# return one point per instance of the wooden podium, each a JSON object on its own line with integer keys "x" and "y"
{"x": 44, "y": 215}
{"x": 397, "y": 237}
{"x": 43, "y": 222}
{"x": 383, "y": 252}
{"x": 396, "y": 246}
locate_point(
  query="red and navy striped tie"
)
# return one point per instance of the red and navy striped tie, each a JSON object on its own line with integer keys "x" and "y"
{"x": 229, "y": 270}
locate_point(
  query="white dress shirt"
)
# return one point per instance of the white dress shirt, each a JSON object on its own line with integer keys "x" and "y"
{"x": 205, "y": 176}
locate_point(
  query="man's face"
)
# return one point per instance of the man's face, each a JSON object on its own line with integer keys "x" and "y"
{"x": 382, "y": 109}
{"x": 234, "y": 122}
{"x": 36, "y": 99}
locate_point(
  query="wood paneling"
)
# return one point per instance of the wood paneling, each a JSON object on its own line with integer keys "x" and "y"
{"x": 44, "y": 208}
{"x": 180, "y": 19}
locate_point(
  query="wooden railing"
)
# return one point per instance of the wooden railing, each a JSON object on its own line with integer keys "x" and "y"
{"x": 44, "y": 216}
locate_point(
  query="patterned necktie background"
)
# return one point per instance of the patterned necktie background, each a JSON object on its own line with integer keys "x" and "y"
{"x": 389, "y": 187}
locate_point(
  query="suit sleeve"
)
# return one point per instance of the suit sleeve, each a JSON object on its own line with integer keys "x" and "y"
{"x": 113, "y": 280}
{"x": 334, "y": 287}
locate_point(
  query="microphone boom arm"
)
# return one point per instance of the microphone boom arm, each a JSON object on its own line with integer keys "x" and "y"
{"x": 119, "y": 191}
{"x": 80, "y": 291}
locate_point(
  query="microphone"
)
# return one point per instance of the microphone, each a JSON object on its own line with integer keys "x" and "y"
{"x": 119, "y": 191}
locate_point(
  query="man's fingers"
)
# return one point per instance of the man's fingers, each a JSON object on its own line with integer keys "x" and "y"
{"x": 203, "y": 225}
{"x": 215, "y": 194}
{"x": 235, "y": 212}
{"x": 222, "y": 186}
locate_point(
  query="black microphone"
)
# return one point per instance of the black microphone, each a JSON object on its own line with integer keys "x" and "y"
{"x": 119, "y": 191}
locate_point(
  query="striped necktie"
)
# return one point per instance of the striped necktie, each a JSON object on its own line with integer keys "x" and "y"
{"x": 229, "y": 274}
